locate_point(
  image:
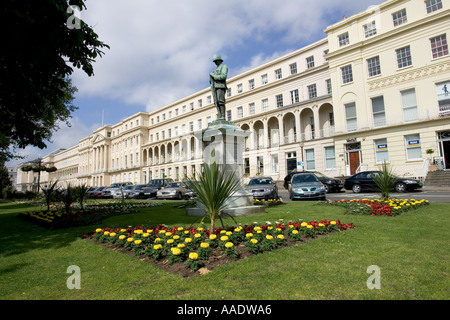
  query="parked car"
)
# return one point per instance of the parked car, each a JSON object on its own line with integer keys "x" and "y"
{"x": 97, "y": 193}
{"x": 118, "y": 193}
{"x": 154, "y": 185}
{"x": 364, "y": 181}
{"x": 136, "y": 192}
{"x": 173, "y": 190}
{"x": 262, "y": 188}
{"x": 331, "y": 184}
{"x": 306, "y": 186}
{"x": 109, "y": 191}
{"x": 91, "y": 191}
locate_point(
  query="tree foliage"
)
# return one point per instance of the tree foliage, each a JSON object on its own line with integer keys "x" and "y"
{"x": 38, "y": 56}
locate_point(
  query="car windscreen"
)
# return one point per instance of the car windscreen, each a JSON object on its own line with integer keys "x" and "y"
{"x": 259, "y": 181}
{"x": 304, "y": 178}
{"x": 155, "y": 183}
{"x": 174, "y": 185}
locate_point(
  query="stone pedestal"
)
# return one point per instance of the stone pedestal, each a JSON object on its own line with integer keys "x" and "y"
{"x": 223, "y": 143}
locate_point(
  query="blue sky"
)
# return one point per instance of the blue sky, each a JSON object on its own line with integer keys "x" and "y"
{"x": 161, "y": 51}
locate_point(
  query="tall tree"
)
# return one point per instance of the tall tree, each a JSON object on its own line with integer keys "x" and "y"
{"x": 42, "y": 42}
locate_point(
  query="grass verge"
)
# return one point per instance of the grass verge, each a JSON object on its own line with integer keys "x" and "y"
{"x": 411, "y": 251}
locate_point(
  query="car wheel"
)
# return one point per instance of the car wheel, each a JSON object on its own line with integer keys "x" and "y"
{"x": 327, "y": 188}
{"x": 356, "y": 188}
{"x": 400, "y": 187}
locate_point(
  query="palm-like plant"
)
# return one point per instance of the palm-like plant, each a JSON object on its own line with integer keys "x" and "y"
{"x": 385, "y": 181}
{"x": 49, "y": 193}
{"x": 81, "y": 194}
{"x": 214, "y": 186}
{"x": 67, "y": 197}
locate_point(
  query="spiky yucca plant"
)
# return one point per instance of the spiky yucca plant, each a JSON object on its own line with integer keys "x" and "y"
{"x": 49, "y": 193}
{"x": 214, "y": 186}
{"x": 385, "y": 181}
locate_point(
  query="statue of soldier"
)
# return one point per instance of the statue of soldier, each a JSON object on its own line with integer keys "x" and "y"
{"x": 217, "y": 79}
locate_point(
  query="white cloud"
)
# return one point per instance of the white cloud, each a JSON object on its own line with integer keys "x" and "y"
{"x": 161, "y": 50}
{"x": 64, "y": 138}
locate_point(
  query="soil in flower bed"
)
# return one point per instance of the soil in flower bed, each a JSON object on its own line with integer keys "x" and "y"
{"x": 217, "y": 257}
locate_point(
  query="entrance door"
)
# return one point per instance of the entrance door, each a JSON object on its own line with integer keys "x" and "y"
{"x": 444, "y": 148}
{"x": 354, "y": 161}
{"x": 291, "y": 162}
{"x": 353, "y": 157}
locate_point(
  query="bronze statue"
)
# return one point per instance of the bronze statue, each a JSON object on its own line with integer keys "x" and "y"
{"x": 217, "y": 79}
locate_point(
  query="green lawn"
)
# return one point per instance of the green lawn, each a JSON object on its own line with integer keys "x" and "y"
{"x": 411, "y": 251}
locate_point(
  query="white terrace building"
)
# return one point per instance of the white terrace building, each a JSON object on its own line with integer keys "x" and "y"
{"x": 390, "y": 67}
{"x": 373, "y": 90}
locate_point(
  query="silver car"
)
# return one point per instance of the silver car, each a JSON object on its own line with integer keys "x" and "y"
{"x": 174, "y": 190}
{"x": 306, "y": 186}
{"x": 262, "y": 188}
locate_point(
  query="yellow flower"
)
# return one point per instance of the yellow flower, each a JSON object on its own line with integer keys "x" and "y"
{"x": 223, "y": 238}
{"x": 123, "y": 230}
{"x": 212, "y": 237}
{"x": 186, "y": 232}
{"x": 269, "y": 228}
{"x": 229, "y": 233}
{"x": 309, "y": 226}
{"x": 157, "y": 247}
{"x": 294, "y": 231}
{"x": 149, "y": 230}
{"x": 145, "y": 235}
{"x": 169, "y": 241}
{"x": 280, "y": 236}
{"x": 138, "y": 242}
{"x": 169, "y": 234}
{"x": 321, "y": 225}
{"x": 188, "y": 240}
{"x": 122, "y": 237}
{"x": 98, "y": 230}
{"x": 181, "y": 245}
{"x": 229, "y": 245}
{"x": 222, "y": 231}
{"x": 180, "y": 229}
{"x": 204, "y": 245}
{"x": 249, "y": 235}
{"x": 197, "y": 235}
{"x": 162, "y": 231}
{"x": 193, "y": 256}
{"x": 112, "y": 234}
{"x": 176, "y": 251}
{"x": 254, "y": 241}
{"x": 333, "y": 222}
{"x": 176, "y": 237}
{"x": 130, "y": 239}
{"x": 157, "y": 240}
{"x": 106, "y": 233}
{"x": 269, "y": 237}
{"x": 304, "y": 224}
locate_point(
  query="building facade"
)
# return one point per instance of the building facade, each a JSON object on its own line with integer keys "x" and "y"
{"x": 373, "y": 90}
{"x": 390, "y": 69}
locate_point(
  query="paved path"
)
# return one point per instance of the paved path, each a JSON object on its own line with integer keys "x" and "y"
{"x": 434, "y": 194}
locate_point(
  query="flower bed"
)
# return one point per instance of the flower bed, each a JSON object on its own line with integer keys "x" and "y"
{"x": 186, "y": 250}
{"x": 376, "y": 207}
{"x": 268, "y": 203}
{"x": 90, "y": 215}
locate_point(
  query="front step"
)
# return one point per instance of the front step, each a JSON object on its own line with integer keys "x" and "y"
{"x": 439, "y": 178}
